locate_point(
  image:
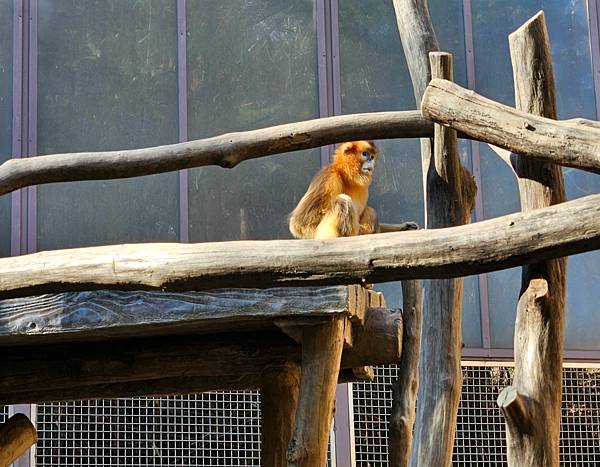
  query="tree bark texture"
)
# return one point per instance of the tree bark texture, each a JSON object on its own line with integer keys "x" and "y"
{"x": 450, "y": 199}
{"x": 418, "y": 39}
{"x": 513, "y": 240}
{"x": 573, "y": 143}
{"x": 404, "y": 389}
{"x": 17, "y": 435}
{"x": 178, "y": 364}
{"x": 279, "y": 398}
{"x": 226, "y": 150}
{"x": 104, "y": 314}
{"x": 321, "y": 354}
{"x": 532, "y": 405}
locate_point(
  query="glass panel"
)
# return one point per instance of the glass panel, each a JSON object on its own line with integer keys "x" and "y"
{"x": 375, "y": 78}
{"x": 107, "y": 79}
{"x": 568, "y": 28}
{"x": 6, "y": 95}
{"x": 251, "y": 64}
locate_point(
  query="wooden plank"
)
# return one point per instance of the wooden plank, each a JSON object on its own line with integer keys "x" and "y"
{"x": 532, "y": 405}
{"x": 226, "y": 150}
{"x": 107, "y": 314}
{"x": 568, "y": 142}
{"x": 513, "y": 240}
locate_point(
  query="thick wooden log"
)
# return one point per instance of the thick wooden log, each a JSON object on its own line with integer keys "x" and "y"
{"x": 450, "y": 194}
{"x": 279, "y": 399}
{"x": 176, "y": 364}
{"x": 567, "y": 142}
{"x": 418, "y": 39}
{"x": 521, "y": 238}
{"x": 533, "y": 431}
{"x": 226, "y": 150}
{"x": 379, "y": 325}
{"x": 112, "y": 314}
{"x": 17, "y": 435}
{"x": 404, "y": 389}
{"x": 321, "y": 354}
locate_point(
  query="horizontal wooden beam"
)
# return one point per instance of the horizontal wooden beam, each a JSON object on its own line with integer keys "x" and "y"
{"x": 175, "y": 364}
{"x": 105, "y": 314}
{"x": 503, "y": 242}
{"x": 571, "y": 143}
{"x": 226, "y": 150}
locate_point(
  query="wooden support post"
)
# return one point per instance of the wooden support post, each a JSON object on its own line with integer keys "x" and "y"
{"x": 450, "y": 195}
{"x": 17, "y": 435}
{"x": 404, "y": 389}
{"x": 279, "y": 399}
{"x": 321, "y": 354}
{"x": 531, "y": 405}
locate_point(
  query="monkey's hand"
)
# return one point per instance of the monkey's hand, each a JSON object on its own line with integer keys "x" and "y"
{"x": 384, "y": 228}
{"x": 411, "y": 225}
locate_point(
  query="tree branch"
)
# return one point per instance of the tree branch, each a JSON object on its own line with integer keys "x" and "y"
{"x": 560, "y": 142}
{"x": 227, "y": 150}
{"x": 521, "y": 238}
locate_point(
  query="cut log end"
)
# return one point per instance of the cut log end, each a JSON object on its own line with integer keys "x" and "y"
{"x": 515, "y": 407}
{"x": 17, "y": 435}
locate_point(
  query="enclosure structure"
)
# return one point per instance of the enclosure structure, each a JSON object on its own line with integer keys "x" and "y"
{"x": 241, "y": 214}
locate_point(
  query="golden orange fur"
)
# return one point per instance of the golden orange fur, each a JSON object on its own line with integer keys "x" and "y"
{"x": 335, "y": 204}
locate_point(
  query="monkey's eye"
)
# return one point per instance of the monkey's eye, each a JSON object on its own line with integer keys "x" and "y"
{"x": 365, "y": 155}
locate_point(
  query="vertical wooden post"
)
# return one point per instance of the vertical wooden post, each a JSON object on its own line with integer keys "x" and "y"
{"x": 531, "y": 406}
{"x": 450, "y": 194}
{"x": 404, "y": 389}
{"x": 418, "y": 39}
{"x": 321, "y": 356}
{"x": 279, "y": 399}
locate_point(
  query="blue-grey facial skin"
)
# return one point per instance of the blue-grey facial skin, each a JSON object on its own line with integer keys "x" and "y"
{"x": 369, "y": 162}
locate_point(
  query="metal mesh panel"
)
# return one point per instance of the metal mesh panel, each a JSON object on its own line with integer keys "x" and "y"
{"x": 218, "y": 428}
{"x": 480, "y": 435}
{"x": 205, "y": 429}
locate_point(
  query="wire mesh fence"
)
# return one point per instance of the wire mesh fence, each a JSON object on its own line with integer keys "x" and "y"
{"x": 223, "y": 429}
{"x": 480, "y": 433}
{"x": 211, "y": 429}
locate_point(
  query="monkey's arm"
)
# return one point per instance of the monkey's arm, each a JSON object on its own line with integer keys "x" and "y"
{"x": 368, "y": 222}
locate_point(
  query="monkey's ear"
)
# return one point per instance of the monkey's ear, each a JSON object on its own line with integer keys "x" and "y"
{"x": 348, "y": 147}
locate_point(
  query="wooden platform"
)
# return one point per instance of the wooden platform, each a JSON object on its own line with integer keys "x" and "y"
{"x": 107, "y": 344}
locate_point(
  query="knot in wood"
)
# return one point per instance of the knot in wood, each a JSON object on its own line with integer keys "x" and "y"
{"x": 528, "y": 126}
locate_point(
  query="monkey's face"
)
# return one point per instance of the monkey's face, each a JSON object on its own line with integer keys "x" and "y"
{"x": 365, "y": 154}
{"x": 357, "y": 160}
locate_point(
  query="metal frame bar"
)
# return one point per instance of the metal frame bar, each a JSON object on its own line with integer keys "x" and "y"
{"x": 508, "y": 354}
{"x": 18, "y": 197}
{"x": 476, "y": 159}
{"x": 32, "y": 121}
{"x": 24, "y": 108}
{"x": 594, "y": 37}
{"x": 182, "y": 96}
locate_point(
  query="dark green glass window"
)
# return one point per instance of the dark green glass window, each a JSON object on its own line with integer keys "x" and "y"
{"x": 251, "y": 64}
{"x": 107, "y": 79}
